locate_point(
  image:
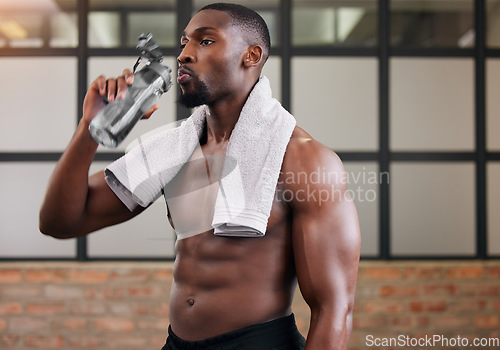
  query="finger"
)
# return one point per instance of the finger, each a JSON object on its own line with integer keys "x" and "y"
{"x": 100, "y": 85}
{"x": 150, "y": 112}
{"x": 111, "y": 85}
{"x": 121, "y": 87}
{"x": 128, "y": 76}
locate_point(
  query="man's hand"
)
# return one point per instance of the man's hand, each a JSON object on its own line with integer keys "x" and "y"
{"x": 111, "y": 89}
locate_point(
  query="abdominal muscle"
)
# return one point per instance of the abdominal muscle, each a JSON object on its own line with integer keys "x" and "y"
{"x": 223, "y": 284}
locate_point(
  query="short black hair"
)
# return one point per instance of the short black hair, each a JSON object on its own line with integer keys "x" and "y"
{"x": 250, "y": 22}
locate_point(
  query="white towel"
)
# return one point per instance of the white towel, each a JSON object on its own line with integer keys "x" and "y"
{"x": 257, "y": 144}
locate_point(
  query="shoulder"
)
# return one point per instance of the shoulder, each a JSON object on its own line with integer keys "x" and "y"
{"x": 305, "y": 154}
{"x": 311, "y": 172}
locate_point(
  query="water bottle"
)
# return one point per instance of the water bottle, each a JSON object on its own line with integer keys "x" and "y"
{"x": 115, "y": 121}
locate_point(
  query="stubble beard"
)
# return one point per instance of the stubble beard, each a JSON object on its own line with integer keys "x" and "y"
{"x": 199, "y": 97}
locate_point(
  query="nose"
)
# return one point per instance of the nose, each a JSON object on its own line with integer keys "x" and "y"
{"x": 186, "y": 55}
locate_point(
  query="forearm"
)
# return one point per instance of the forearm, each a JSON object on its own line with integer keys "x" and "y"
{"x": 63, "y": 207}
{"x": 328, "y": 331}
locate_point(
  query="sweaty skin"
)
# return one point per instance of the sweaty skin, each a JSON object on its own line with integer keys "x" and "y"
{"x": 222, "y": 284}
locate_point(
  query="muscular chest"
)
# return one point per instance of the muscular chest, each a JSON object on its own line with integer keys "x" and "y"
{"x": 192, "y": 195}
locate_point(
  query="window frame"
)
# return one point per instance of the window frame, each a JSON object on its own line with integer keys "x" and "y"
{"x": 384, "y": 157}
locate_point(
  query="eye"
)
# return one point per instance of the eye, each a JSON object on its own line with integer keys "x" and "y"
{"x": 206, "y": 42}
{"x": 182, "y": 46}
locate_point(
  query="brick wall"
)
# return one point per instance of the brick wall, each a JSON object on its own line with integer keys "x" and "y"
{"x": 448, "y": 298}
{"x": 67, "y": 305}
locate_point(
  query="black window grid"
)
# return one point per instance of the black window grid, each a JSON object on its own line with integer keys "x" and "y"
{"x": 384, "y": 157}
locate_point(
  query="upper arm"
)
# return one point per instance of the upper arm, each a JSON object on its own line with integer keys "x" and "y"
{"x": 326, "y": 238}
{"x": 103, "y": 208}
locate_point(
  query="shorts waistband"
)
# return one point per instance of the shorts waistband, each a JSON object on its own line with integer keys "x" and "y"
{"x": 278, "y": 326}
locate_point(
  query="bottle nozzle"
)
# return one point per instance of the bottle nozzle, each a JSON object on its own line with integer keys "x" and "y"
{"x": 149, "y": 48}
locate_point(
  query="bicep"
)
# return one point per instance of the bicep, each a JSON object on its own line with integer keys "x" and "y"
{"x": 326, "y": 246}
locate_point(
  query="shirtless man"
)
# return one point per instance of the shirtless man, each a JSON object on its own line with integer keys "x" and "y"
{"x": 227, "y": 292}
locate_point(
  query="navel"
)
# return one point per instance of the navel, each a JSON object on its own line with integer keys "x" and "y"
{"x": 190, "y": 301}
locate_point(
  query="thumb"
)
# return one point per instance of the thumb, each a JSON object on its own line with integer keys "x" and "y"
{"x": 151, "y": 111}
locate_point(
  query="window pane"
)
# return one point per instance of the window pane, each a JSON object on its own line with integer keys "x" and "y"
{"x": 363, "y": 184}
{"x": 268, "y": 9}
{"x": 23, "y": 187}
{"x": 104, "y": 29}
{"x": 493, "y": 23}
{"x": 118, "y": 23}
{"x": 431, "y": 23}
{"x": 147, "y": 235}
{"x": 331, "y": 22}
{"x": 39, "y": 103}
{"x": 432, "y": 104}
{"x": 113, "y": 66}
{"x": 336, "y": 101}
{"x": 47, "y": 23}
{"x": 492, "y": 104}
{"x": 162, "y": 25}
{"x": 131, "y": 5}
{"x": 432, "y": 209}
{"x": 493, "y": 194}
{"x": 64, "y": 28}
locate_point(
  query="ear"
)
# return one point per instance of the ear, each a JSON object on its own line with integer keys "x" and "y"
{"x": 253, "y": 56}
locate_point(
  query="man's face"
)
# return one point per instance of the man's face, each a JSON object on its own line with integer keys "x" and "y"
{"x": 210, "y": 62}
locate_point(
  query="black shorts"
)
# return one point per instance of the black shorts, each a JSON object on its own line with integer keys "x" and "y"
{"x": 280, "y": 334}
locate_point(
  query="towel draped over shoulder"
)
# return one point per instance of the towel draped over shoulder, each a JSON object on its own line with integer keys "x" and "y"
{"x": 250, "y": 172}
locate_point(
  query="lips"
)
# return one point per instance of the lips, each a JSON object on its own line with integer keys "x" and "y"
{"x": 183, "y": 76}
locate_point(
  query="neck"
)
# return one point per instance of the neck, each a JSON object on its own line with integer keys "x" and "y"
{"x": 223, "y": 115}
{"x": 219, "y": 128}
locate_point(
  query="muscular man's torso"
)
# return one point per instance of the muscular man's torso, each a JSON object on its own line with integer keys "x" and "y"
{"x": 224, "y": 283}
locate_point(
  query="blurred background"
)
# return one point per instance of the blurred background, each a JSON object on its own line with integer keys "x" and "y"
{"x": 406, "y": 92}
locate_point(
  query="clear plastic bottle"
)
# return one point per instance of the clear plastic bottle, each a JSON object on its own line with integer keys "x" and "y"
{"x": 115, "y": 121}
